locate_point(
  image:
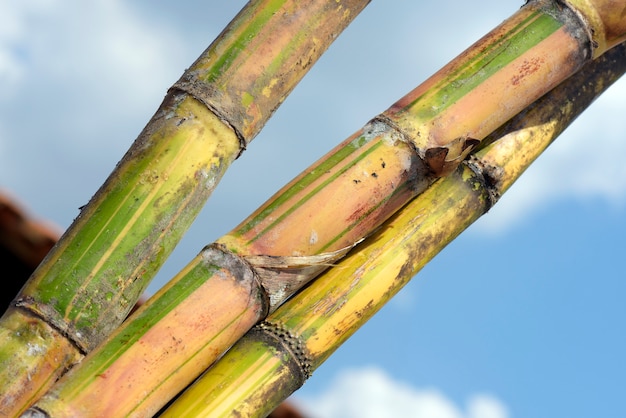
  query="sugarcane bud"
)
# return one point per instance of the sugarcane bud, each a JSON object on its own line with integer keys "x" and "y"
{"x": 443, "y": 160}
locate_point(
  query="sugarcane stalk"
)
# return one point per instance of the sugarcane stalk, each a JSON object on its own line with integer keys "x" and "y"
{"x": 169, "y": 341}
{"x": 354, "y": 188}
{"x": 275, "y": 358}
{"x": 357, "y": 186}
{"x": 125, "y": 374}
{"x": 422, "y": 136}
{"x": 92, "y": 278}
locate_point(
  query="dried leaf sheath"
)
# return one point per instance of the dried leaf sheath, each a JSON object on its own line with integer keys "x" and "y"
{"x": 273, "y": 360}
{"x": 94, "y": 275}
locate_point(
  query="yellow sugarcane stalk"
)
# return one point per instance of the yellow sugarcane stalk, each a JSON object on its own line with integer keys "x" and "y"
{"x": 277, "y": 356}
{"x": 92, "y": 278}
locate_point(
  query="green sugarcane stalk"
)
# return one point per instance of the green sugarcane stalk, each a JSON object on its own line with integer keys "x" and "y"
{"x": 348, "y": 193}
{"x": 92, "y": 278}
{"x": 275, "y": 358}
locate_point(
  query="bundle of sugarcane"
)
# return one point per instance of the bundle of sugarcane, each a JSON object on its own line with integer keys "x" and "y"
{"x": 276, "y": 357}
{"x": 412, "y": 149}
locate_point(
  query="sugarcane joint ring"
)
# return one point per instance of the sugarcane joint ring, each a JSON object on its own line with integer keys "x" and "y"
{"x": 292, "y": 342}
{"x": 604, "y": 22}
{"x": 204, "y": 94}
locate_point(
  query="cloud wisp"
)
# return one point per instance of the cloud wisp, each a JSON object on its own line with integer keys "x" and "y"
{"x": 371, "y": 393}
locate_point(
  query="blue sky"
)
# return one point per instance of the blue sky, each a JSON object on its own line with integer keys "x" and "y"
{"x": 520, "y": 317}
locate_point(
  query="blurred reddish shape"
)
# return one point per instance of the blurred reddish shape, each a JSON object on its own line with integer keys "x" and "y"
{"x": 24, "y": 242}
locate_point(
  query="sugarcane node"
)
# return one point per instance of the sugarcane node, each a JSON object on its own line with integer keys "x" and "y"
{"x": 422, "y": 173}
{"x": 201, "y": 92}
{"x": 290, "y": 342}
{"x": 218, "y": 254}
{"x": 49, "y": 316}
{"x": 490, "y": 176}
{"x": 581, "y": 25}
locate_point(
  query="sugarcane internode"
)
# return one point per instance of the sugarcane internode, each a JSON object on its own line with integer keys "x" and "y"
{"x": 489, "y": 176}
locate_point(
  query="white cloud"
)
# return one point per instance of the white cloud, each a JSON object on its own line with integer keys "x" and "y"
{"x": 13, "y": 17}
{"x": 78, "y": 80}
{"x": 486, "y": 406}
{"x": 72, "y": 37}
{"x": 101, "y": 59}
{"x": 588, "y": 158}
{"x": 371, "y": 393}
